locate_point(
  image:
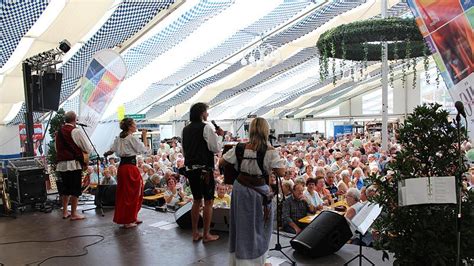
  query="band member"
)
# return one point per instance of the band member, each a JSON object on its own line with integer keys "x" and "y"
{"x": 129, "y": 196}
{"x": 200, "y": 143}
{"x": 251, "y": 213}
{"x": 71, "y": 144}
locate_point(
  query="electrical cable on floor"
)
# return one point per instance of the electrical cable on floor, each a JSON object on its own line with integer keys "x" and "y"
{"x": 51, "y": 241}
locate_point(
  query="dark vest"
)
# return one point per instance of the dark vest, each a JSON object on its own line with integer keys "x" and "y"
{"x": 66, "y": 148}
{"x": 195, "y": 146}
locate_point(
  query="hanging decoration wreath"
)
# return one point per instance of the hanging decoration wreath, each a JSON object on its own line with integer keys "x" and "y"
{"x": 362, "y": 41}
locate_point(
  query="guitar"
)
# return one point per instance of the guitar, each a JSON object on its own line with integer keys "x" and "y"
{"x": 85, "y": 160}
{"x": 5, "y": 196}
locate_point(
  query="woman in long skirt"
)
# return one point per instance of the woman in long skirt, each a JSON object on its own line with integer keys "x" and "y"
{"x": 129, "y": 195}
{"x": 250, "y": 216}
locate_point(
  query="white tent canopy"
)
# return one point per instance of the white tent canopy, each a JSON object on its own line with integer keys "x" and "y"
{"x": 181, "y": 52}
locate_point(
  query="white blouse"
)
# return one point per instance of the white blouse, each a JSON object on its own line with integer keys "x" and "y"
{"x": 272, "y": 160}
{"x": 128, "y": 146}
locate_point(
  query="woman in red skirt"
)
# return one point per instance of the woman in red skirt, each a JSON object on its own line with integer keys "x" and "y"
{"x": 129, "y": 196}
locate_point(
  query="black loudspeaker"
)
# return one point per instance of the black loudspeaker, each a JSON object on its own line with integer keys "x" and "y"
{"x": 220, "y": 219}
{"x": 46, "y": 90}
{"x": 183, "y": 216}
{"x": 106, "y": 195}
{"x": 26, "y": 181}
{"x": 326, "y": 234}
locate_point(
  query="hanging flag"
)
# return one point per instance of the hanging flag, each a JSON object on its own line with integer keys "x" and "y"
{"x": 447, "y": 27}
{"x": 99, "y": 84}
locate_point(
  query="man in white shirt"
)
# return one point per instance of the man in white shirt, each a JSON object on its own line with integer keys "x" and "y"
{"x": 71, "y": 144}
{"x": 200, "y": 142}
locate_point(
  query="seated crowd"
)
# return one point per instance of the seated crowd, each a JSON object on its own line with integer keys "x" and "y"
{"x": 319, "y": 172}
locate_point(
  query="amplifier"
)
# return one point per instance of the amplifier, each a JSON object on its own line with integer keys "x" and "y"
{"x": 27, "y": 181}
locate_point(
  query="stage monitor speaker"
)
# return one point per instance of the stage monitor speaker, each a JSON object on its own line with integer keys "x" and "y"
{"x": 106, "y": 194}
{"x": 46, "y": 90}
{"x": 183, "y": 216}
{"x": 326, "y": 234}
{"x": 220, "y": 219}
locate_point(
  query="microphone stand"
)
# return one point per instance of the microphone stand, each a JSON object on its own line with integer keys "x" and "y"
{"x": 459, "y": 191}
{"x": 278, "y": 246}
{"x": 245, "y": 119}
{"x": 98, "y": 196}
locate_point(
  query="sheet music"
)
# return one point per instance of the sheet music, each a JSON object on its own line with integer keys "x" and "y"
{"x": 422, "y": 190}
{"x": 365, "y": 217}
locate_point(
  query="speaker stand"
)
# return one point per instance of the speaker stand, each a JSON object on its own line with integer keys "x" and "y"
{"x": 360, "y": 255}
{"x": 278, "y": 246}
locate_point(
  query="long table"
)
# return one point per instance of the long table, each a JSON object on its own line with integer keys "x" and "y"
{"x": 154, "y": 197}
{"x": 309, "y": 218}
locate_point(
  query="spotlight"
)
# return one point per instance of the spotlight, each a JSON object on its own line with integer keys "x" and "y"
{"x": 64, "y": 46}
{"x": 45, "y": 60}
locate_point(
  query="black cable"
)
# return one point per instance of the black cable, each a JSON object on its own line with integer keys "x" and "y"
{"x": 51, "y": 241}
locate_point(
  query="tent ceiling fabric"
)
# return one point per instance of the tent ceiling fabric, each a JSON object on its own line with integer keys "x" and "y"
{"x": 279, "y": 15}
{"x": 127, "y": 19}
{"x": 163, "y": 89}
{"x": 17, "y": 18}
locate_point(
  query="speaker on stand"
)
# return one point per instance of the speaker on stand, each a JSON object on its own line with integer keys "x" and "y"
{"x": 326, "y": 234}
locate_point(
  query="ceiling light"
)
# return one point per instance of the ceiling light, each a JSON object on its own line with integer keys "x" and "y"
{"x": 264, "y": 55}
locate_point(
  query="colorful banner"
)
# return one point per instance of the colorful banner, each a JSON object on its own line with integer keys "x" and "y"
{"x": 37, "y": 138}
{"x": 447, "y": 26}
{"x": 37, "y": 134}
{"x": 99, "y": 84}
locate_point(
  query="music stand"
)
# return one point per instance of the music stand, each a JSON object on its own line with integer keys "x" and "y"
{"x": 360, "y": 224}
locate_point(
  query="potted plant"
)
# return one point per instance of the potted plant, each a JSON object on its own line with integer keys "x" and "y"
{"x": 424, "y": 234}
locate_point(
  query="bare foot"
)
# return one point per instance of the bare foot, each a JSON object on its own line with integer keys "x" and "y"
{"x": 77, "y": 217}
{"x": 197, "y": 237}
{"x": 268, "y": 264}
{"x": 210, "y": 238}
{"x": 138, "y": 222}
{"x": 130, "y": 225}
{"x": 66, "y": 215}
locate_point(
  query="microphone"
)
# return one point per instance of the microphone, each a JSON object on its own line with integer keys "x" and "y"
{"x": 81, "y": 124}
{"x": 215, "y": 125}
{"x": 460, "y": 107}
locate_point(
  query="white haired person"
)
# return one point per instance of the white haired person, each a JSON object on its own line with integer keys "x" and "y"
{"x": 71, "y": 143}
{"x": 353, "y": 200}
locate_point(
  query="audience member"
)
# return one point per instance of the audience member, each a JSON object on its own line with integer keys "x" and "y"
{"x": 295, "y": 207}
{"x": 353, "y": 200}
{"x": 222, "y": 199}
{"x": 152, "y": 185}
{"x": 312, "y": 195}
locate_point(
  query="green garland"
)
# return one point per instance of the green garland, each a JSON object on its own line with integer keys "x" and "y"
{"x": 54, "y": 126}
{"x": 358, "y": 38}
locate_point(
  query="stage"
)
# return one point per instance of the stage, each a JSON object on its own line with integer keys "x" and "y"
{"x": 155, "y": 242}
